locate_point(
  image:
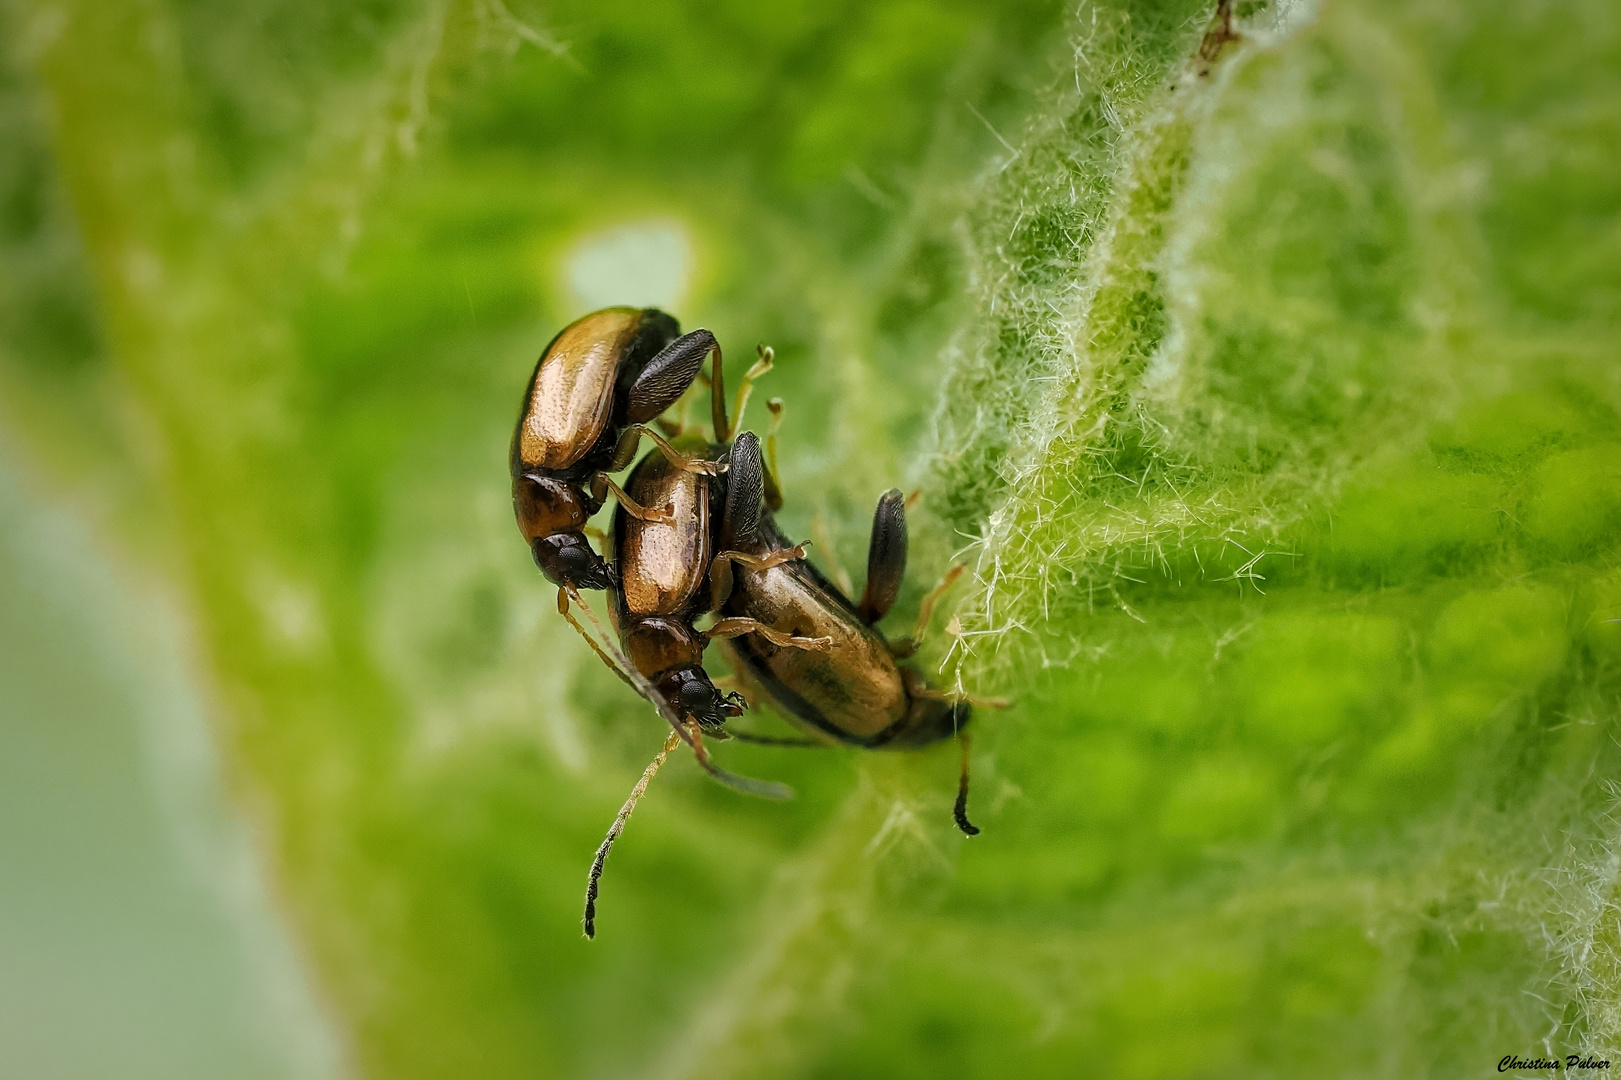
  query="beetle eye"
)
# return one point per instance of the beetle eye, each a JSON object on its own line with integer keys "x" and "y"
{"x": 574, "y": 559}
{"x": 695, "y": 696}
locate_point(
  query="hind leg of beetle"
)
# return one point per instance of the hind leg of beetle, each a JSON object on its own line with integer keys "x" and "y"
{"x": 717, "y": 398}
{"x": 886, "y": 557}
{"x": 683, "y": 406}
{"x": 745, "y": 487}
{"x": 917, "y": 687}
{"x": 737, "y": 626}
{"x": 620, "y": 821}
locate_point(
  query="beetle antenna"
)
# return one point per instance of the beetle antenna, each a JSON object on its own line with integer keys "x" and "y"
{"x": 764, "y": 789}
{"x": 688, "y": 733}
{"x": 616, "y": 663}
{"x": 618, "y": 827}
{"x": 960, "y": 810}
{"x": 774, "y": 740}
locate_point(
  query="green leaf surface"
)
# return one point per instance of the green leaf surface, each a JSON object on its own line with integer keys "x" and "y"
{"x": 1270, "y": 391}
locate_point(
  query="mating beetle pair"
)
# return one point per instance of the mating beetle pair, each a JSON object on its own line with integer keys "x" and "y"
{"x": 694, "y": 535}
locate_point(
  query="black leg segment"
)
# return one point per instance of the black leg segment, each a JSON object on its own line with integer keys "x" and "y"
{"x": 886, "y": 556}
{"x": 667, "y": 376}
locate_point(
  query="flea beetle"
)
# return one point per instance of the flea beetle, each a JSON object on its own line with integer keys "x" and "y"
{"x": 596, "y": 386}
{"x": 663, "y": 569}
{"x": 851, "y": 691}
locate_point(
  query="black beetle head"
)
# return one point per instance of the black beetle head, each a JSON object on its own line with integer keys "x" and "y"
{"x": 694, "y": 697}
{"x": 567, "y": 559}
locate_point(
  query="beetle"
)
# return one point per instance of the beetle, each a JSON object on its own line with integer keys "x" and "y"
{"x": 852, "y": 691}
{"x": 664, "y": 569}
{"x": 587, "y": 405}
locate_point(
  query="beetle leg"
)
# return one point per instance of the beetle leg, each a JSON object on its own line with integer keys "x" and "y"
{"x": 746, "y": 388}
{"x": 907, "y": 646}
{"x": 921, "y": 691}
{"x": 630, "y": 440}
{"x": 733, "y": 627}
{"x": 766, "y": 562}
{"x": 620, "y": 821}
{"x": 632, "y": 507}
{"x": 720, "y": 582}
{"x": 667, "y": 376}
{"x": 684, "y": 462}
{"x": 918, "y": 688}
{"x": 886, "y": 557}
{"x": 720, "y": 570}
{"x": 738, "y": 626}
{"x": 841, "y": 576}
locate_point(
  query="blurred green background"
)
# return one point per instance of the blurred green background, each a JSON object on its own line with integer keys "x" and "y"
{"x": 1271, "y": 393}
